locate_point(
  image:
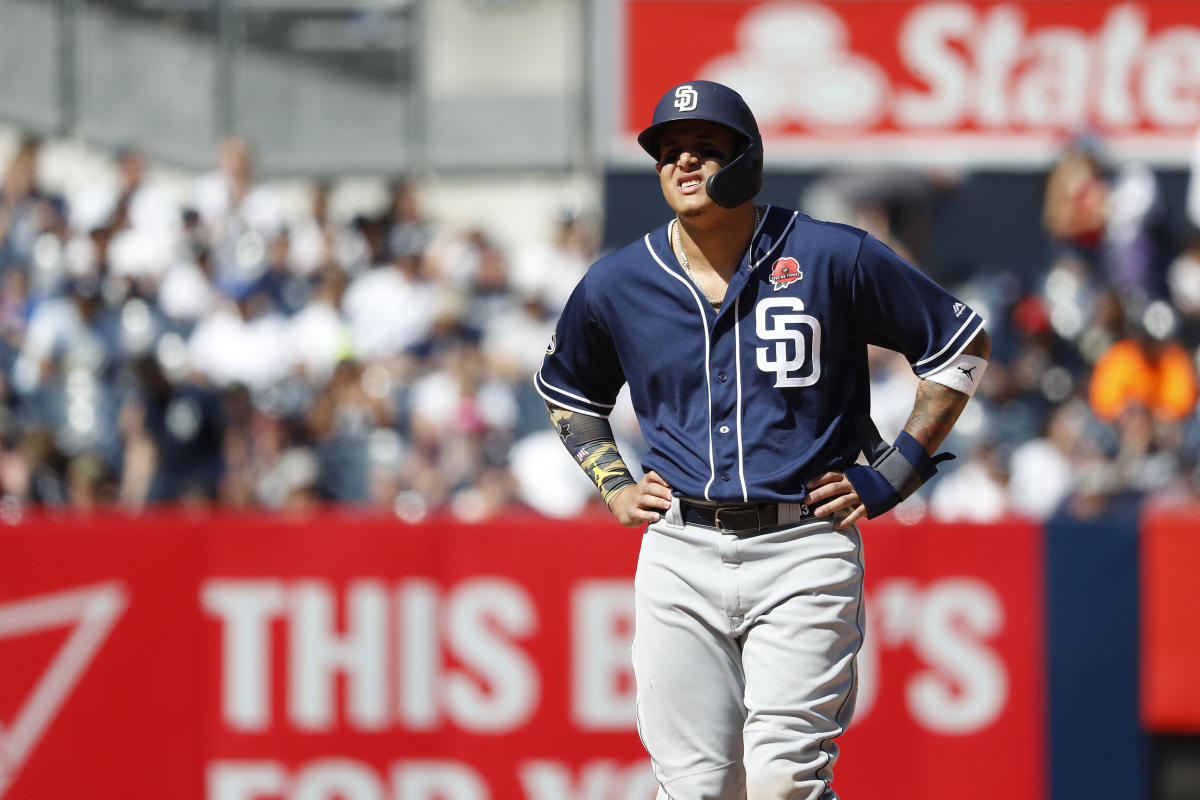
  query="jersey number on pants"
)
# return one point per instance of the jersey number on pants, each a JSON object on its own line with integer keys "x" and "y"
{"x": 792, "y": 351}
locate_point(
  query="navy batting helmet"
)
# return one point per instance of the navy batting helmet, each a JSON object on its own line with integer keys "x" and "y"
{"x": 741, "y": 178}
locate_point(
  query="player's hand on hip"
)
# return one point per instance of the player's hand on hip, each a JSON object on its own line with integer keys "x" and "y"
{"x": 832, "y": 494}
{"x": 641, "y": 503}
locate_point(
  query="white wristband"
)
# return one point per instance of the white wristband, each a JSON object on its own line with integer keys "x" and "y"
{"x": 961, "y": 374}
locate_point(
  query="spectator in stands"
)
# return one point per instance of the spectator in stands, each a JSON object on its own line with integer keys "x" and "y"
{"x": 67, "y": 327}
{"x": 1148, "y": 369}
{"x": 48, "y": 235}
{"x": 89, "y": 484}
{"x": 487, "y": 290}
{"x": 460, "y": 419}
{"x": 245, "y": 450}
{"x": 185, "y": 424}
{"x": 1183, "y": 279}
{"x": 898, "y": 206}
{"x": 511, "y": 330}
{"x": 1183, "y": 276}
{"x": 1114, "y": 222}
{"x": 19, "y": 196}
{"x": 342, "y": 420}
{"x": 1042, "y": 469}
{"x": 32, "y": 471}
{"x": 318, "y": 336}
{"x": 241, "y": 214}
{"x": 551, "y": 269}
{"x": 407, "y": 232}
{"x": 286, "y": 291}
{"x": 977, "y": 490}
{"x": 547, "y": 481}
{"x": 186, "y": 293}
{"x": 241, "y": 341}
{"x": 319, "y": 241}
{"x": 129, "y": 200}
{"x": 390, "y": 307}
{"x": 15, "y": 310}
{"x": 1143, "y": 394}
{"x": 1076, "y": 197}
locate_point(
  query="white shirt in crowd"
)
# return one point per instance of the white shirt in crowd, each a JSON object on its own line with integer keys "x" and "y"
{"x": 387, "y": 312}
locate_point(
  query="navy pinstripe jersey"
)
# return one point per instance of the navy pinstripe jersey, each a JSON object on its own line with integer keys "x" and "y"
{"x": 746, "y": 404}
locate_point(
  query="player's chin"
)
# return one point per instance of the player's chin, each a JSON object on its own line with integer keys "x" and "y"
{"x": 691, "y": 203}
{"x": 694, "y": 206}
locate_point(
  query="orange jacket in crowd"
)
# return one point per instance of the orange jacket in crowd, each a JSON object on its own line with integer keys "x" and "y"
{"x": 1126, "y": 374}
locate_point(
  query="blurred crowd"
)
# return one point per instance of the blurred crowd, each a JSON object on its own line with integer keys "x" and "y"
{"x": 1088, "y": 405}
{"x": 205, "y": 347}
{"x": 213, "y": 348}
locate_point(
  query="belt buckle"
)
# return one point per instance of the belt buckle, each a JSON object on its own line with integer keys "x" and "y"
{"x": 717, "y": 518}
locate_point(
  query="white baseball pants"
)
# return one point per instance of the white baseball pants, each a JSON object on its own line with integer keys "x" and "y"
{"x": 744, "y": 655}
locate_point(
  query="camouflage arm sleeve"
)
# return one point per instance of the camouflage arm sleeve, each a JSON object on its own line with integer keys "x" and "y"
{"x": 591, "y": 443}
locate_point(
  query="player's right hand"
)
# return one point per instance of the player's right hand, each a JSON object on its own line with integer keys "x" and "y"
{"x": 641, "y": 503}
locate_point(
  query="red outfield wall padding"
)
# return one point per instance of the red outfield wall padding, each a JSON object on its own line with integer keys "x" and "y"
{"x": 256, "y": 658}
{"x": 1171, "y": 621}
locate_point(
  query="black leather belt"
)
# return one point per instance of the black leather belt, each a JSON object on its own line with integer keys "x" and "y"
{"x": 733, "y": 518}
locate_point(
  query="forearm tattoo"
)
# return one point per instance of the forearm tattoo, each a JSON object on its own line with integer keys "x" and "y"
{"x": 937, "y": 407}
{"x": 591, "y": 443}
{"x": 934, "y": 414}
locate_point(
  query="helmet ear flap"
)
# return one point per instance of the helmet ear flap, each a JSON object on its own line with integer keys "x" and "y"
{"x": 739, "y": 180}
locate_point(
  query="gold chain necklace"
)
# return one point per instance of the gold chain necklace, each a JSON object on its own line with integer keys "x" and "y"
{"x": 683, "y": 259}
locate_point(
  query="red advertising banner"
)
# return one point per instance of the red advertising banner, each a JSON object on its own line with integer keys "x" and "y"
{"x": 983, "y": 80}
{"x": 260, "y": 658}
{"x": 1170, "y": 550}
{"x": 952, "y": 669}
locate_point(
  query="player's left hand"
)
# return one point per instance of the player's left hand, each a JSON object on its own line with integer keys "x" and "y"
{"x": 832, "y": 494}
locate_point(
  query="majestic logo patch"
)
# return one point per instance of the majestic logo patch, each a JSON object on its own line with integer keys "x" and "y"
{"x": 958, "y": 309}
{"x": 553, "y": 344}
{"x": 785, "y": 272}
{"x": 686, "y": 98}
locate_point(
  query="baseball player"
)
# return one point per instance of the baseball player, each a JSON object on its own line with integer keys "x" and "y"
{"x": 742, "y": 331}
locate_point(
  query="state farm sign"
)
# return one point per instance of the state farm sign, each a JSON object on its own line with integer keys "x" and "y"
{"x": 988, "y": 79}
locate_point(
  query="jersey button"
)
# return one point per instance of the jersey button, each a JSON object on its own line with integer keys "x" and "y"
{"x": 722, "y": 377}
{"x": 723, "y": 429}
{"x": 725, "y": 477}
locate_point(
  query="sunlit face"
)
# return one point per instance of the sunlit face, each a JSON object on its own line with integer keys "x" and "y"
{"x": 689, "y": 153}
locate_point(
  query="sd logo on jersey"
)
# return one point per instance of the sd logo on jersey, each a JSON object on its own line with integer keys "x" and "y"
{"x": 791, "y": 348}
{"x": 785, "y": 272}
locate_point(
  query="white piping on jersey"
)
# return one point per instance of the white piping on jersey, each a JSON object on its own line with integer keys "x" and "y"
{"x": 538, "y": 379}
{"x": 737, "y": 339}
{"x": 712, "y": 463}
{"x": 779, "y": 240}
{"x": 950, "y": 343}
{"x": 560, "y": 404}
{"x": 737, "y": 376}
{"x": 737, "y": 347}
